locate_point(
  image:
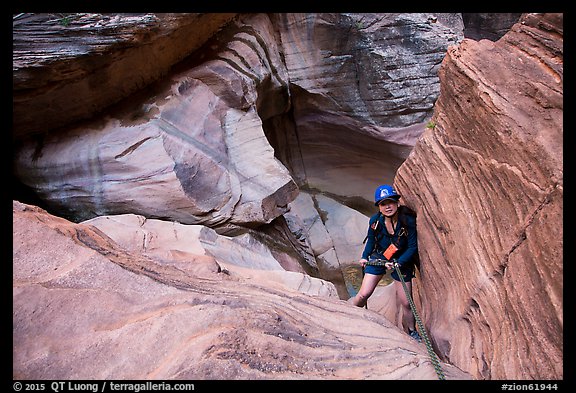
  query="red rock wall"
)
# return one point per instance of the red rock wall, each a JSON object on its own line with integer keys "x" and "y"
{"x": 487, "y": 182}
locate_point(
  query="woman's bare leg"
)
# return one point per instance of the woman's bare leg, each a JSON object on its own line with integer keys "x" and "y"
{"x": 369, "y": 283}
{"x": 408, "y": 320}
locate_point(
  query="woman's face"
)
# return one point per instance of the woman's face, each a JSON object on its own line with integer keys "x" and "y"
{"x": 388, "y": 207}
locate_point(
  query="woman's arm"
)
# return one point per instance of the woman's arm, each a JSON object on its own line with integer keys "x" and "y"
{"x": 370, "y": 240}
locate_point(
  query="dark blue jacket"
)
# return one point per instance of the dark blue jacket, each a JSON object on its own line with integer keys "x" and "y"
{"x": 405, "y": 238}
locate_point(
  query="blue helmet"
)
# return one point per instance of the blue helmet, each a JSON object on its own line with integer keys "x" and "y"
{"x": 385, "y": 192}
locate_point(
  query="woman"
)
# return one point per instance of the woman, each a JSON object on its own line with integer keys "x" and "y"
{"x": 391, "y": 236}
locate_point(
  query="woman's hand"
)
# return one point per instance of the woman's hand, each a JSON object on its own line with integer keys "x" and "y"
{"x": 363, "y": 262}
{"x": 389, "y": 265}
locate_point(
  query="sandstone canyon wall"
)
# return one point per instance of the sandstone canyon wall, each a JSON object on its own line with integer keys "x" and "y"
{"x": 488, "y": 184}
{"x": 87, "y": 307}
{"x": 248, "y": 167}
{"x": 232, "y": 134}
{"x": 262, "y": 78}
{"x": 70, "y": 67}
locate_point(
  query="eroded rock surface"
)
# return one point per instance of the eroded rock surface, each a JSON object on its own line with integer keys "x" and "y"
{"x": 175, "y": 243}
{"x": 202, "y": 145}
{"x": 488, "y": 185}
{"x": 69, "y": 67}
{"x": 362, "y": 88}
{"x": 271, "y": 104}
{"x": 86, "y": 308}
{"x": 196, "y": 153}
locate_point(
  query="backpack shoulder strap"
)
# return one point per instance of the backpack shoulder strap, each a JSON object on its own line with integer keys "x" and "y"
{"x": 375, "y": 224}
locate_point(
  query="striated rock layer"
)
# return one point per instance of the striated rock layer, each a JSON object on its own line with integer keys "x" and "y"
{"x": 487, "y": 182}
{"x": 204, "y": 144}
{"x": 362, "y": 86}
{"x": 194, "y": 151}
{"x": 243, "y": 255}
{"x": 86, "y": 308}
{"x": 70, "y": 67}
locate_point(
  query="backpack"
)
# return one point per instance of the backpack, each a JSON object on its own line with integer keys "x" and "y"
{"x": 403, "y": 211}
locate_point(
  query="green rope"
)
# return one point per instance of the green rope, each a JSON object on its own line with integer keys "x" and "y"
{"x": 431, "y": 353}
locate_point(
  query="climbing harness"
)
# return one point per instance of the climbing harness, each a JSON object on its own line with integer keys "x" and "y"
{"x": 431, "y": 353}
